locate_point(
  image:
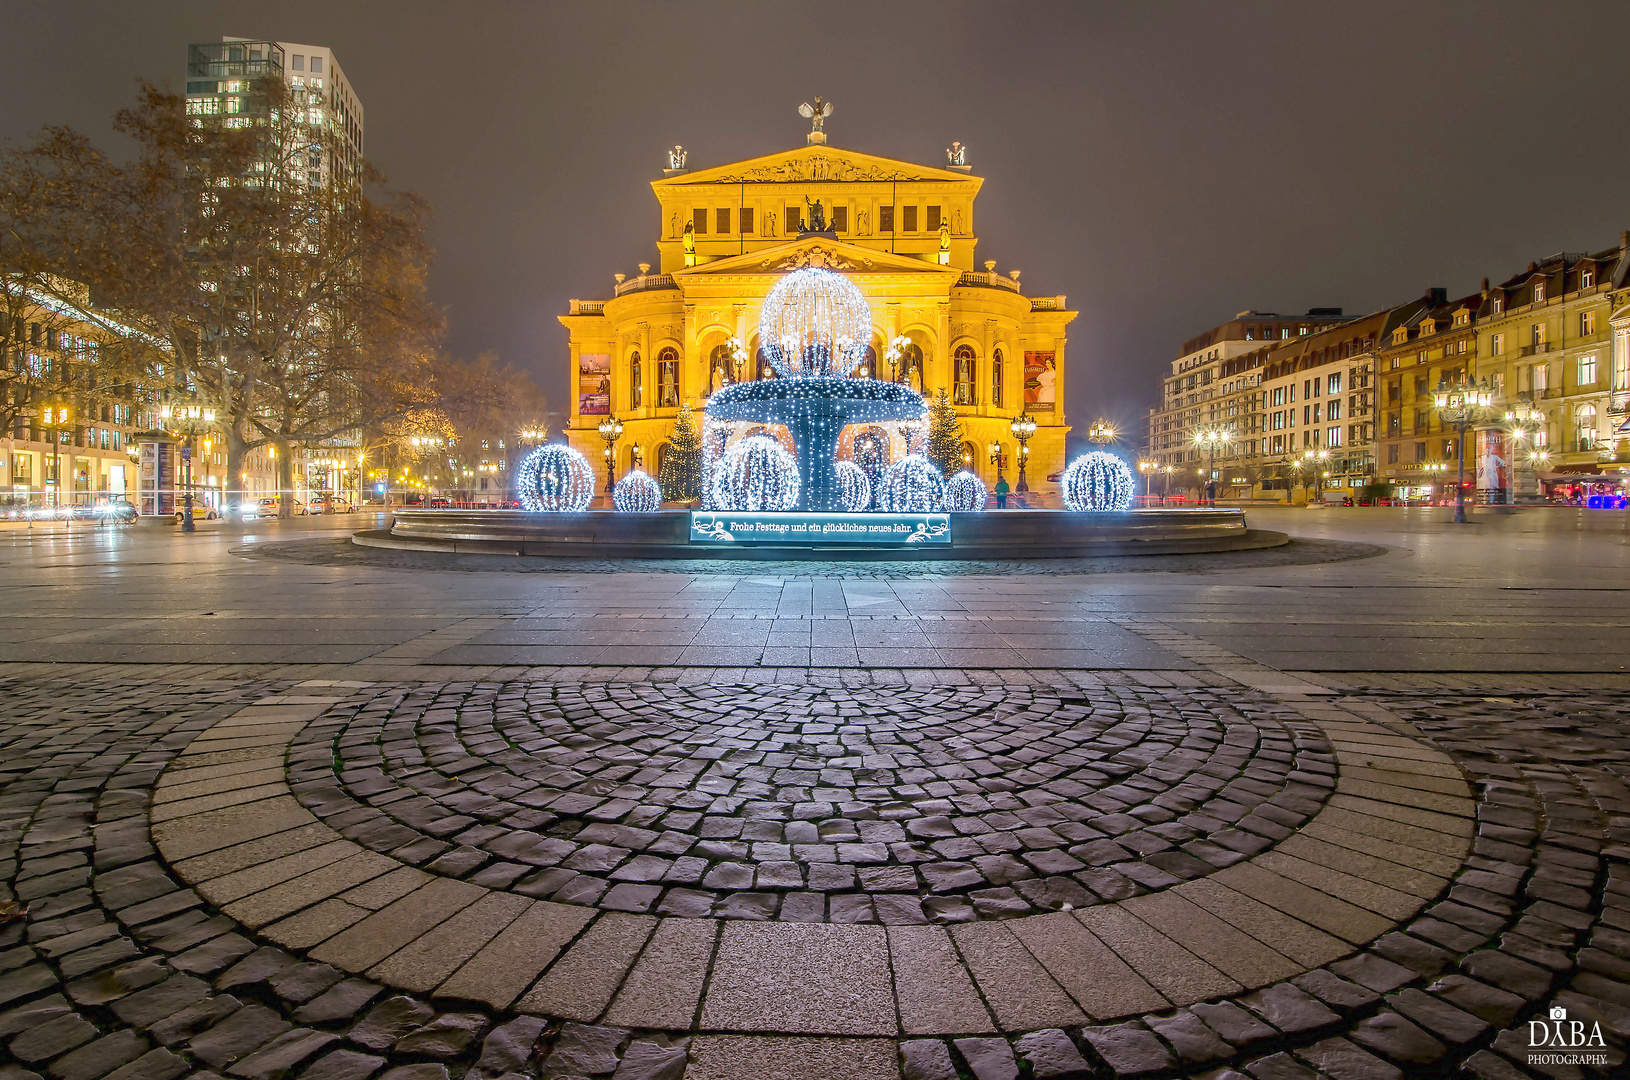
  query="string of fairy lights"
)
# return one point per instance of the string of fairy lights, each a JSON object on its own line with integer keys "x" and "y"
{"x": 756, "y": 474}
{"x": 1097, "y": 481}
{"x": 555, "y": 479}
{"x": 912, "y": 485}
{"x": 637, "y": 493}
{"x": 964, "y": 493}
{"x": 854, "y": 487}
{"x": 814, "y": 323}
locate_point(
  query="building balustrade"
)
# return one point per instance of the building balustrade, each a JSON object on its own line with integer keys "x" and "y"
{"x": 646, "y": 281}
{"x": 975, "y": 279}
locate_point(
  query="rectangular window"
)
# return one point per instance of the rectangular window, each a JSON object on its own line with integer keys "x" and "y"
{"x": 1392, "y": 453}
{"x": 1420, "y": 451}
{"x": 1333, "y": 383}
{"x": 840, "y": 219}
{"x": 933, "y": 219}
{"x": 1420, "y": 420}
{"x": 1541, "y": 378}
{"x": 747, "y": 219}
{"x": 794, "y": 219}
{"x": 698, "y": 221}
{"x": 1538, "y": 332}
{"x": 1499, "y": 345}
{"x": 885, "y": 219}
{"x": 1333, "y": 411}
{"x": 316, "y": 65}
{"x": 1539, "y": 291}
{"x": 721, "y": 221}
{"x": 1587, "y": 279}
{"x": 1587, "y": 370}
{"x": 1307, "y": 411}
{"x": 1332, "y": 437}
{"x": 298, "y": 63}
{"x": 1315, "y": 414}
{"x": 909, "y": 219}
{"x": 1587, "y": 323}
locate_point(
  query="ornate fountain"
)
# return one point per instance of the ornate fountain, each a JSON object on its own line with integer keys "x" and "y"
{"x": 815, "y": 329}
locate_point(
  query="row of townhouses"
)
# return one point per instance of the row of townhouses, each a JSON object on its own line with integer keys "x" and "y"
{"x": 1287, "y": 406}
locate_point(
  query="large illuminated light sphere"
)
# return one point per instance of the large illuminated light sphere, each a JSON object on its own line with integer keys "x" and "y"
{"x": 854, "y": 488}
{"x": 964, "y": 492}
{"x": 1096, "y": 482}
{"x": 555, "y": 478}
{"x": 756, "y": 474}
{"x": 912, "y": 485}
{"x": 814, "y": 323}
{"x": 637, "y": 493}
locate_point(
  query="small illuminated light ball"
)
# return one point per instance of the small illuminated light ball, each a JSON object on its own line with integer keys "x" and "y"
{"x": 912, "y": 485}
{"x": 814, "y": 323}
{"x": 854, "y": 489}
{"x": 637, "y": 493}
{"x": 554, "y": 479}
{"x": 1096, "y": 482}
{"x": 964, "y": 492}
{"x": 756, "y": 474}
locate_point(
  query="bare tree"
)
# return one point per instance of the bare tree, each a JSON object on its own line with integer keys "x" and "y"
{"x": 290, "y": 291}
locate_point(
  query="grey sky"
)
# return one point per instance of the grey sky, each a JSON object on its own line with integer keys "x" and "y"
{"x": 1163, "y": 165}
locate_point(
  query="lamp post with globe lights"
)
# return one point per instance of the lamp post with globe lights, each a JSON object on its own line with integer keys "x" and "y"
{"x": 1461, "y": 403}
{"x": 1101, "y": 433}
{"x": 188, "y": 420}
{"x": 1210, "y": 440}
{"x": 611, "y": 429}
{"x": 1148, "y": 469}
{"x": 1023, "y": 427}
{"x": 1318, "y": 461}
{"x": 1524, "y": 422}
{"x": 54, "y": 419}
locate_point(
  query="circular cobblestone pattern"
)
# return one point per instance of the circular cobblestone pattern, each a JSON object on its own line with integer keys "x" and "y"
{"x": 812, "y": 804}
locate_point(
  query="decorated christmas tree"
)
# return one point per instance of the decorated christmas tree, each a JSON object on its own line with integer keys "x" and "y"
{"x": 944, "y": 435}
{"x": 681, "y": 472}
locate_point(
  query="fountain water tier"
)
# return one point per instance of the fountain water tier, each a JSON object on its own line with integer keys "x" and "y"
{"x": 815, "y": 411}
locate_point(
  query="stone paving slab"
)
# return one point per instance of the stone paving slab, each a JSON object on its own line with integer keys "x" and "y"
{"x": 1537, "y": 873}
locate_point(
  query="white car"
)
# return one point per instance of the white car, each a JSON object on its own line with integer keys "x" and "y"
{"x": 200, "y": 512}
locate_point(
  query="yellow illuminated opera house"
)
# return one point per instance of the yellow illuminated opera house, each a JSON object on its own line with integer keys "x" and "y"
{"x": 905, "y": 234}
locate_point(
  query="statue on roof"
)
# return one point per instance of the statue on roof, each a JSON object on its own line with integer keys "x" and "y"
{"x": 816, "y": 114}
{"x": 817, "y": 216}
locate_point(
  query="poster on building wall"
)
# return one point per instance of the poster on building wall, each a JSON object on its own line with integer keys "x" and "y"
{"x": 594, "y": 384}
{"x": 1040, "y": 381}
{"x": 1493, "y": 466}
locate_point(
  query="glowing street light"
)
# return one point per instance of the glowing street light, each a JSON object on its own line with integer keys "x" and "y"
{"x": 611, "y": 429}
{"x": 1461, "y": 403}
{"x": 1023, "y": 427}
{"x": 1209, "y": 440}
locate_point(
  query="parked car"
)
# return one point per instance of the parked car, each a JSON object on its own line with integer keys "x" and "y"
{"x": 268, "y": 508}
{"x": 200, "y": 512}
{"x": 332, "y": 504}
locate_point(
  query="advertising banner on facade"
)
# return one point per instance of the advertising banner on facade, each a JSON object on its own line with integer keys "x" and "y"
{"x": 594, "y": 384}
{"x": 724, "y": 526}
{"x": 1040, "y": 381}
{"x": 1493, "y": 463}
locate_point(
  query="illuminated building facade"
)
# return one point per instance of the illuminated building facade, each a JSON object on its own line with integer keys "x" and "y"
{"x": 905, "y": 234}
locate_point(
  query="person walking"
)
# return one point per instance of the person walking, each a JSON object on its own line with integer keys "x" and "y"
{"x": 1001, "y": 492}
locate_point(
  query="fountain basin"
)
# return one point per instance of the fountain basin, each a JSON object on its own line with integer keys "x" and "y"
{"x": 815, "y": 411}
{"x": 666, "y": 534}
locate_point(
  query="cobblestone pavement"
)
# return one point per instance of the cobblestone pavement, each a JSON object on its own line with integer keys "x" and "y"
{"x": 1421, "y": 871}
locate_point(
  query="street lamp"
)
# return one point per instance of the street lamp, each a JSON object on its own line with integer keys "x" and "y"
{"x": 1148, "y": 469}
{"x": 53, "y": 419}
{"x": 1023, "y": 427}
{"x": 1101, "y": 432}
{"x": 1209, "y": 440}
{"x": 995, "y": 451}
{"x": 894, "y": 354}
{"x": 1461, "y": 403}
{"x": 1317, "y": 460}
{"x": 611, "y": 429}
{"x": 188, "y": 419}
{"x": 1525, "y": 422}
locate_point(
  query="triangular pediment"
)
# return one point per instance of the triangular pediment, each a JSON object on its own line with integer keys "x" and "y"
{"x": 818, "y": 251}
{"x": 816, "y": 164}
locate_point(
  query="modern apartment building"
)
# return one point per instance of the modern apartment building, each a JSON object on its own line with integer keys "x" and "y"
{"x": 221, "y": 78}
{"x": 1197, "y": 395}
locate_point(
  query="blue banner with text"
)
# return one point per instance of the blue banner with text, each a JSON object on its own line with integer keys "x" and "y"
{"x": 727, "y": 526}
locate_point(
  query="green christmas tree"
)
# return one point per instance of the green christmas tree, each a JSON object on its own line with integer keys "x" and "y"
{"x": 944, "y": 435}
{"x": 681, "y": 472}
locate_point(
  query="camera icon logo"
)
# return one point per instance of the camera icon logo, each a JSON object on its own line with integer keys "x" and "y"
{"x": 1558, "y": 1013}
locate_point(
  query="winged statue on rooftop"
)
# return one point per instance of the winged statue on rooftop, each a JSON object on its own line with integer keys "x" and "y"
{"x": 815, "y": 113}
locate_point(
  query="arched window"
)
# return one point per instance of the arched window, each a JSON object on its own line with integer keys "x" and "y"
{"x": 996, "y": 378}
{"x": 636, "y": 385}
{"x": 765, "y": 371}
{"x": 867, "y": 368}
{"x": 910, "y": 365}
{"x": 719, "y": 370}
{"x": 970, "y": 457}
{"x": 667, "y": 379}
{"x": 964, "y": 362}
